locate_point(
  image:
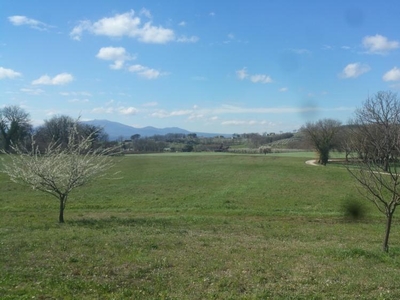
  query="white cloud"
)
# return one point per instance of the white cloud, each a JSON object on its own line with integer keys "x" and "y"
{"x": 183, "y": 23}
{"x": 157, "y": 35}
{"x": 242, "y": 73}
{"x": 145, "y": 72}
{"x": 184, "y": 39}
{"x": 150, "y": 104}
{"x": 195, "y": 116}
{"x": 102, "y": 110}
{"x": 256, "y": 78}
{"x": 150, "y": 74}
{"x": 260, "y": 78}
{"x": 127, "y": 110}
{"x": 87, "y": 94}
{"x": 51, "y": 112}
{"x": 284, "y": 89}
{"x": 59, "y": 79}
{"x": 160, "y": 114}
{"x": 145, "y": 12}
{"x": 113, "y": 53}
{"x": 116, "y": 54}
{"x": 22, "y": 20}
{"x": 354, "y": 70}
{"x": 379, "y": 44}
{"x": 237, "y": 110}
{"x": 76, "y": 100}
{"x": 111, "y": 107}
{"x": 118, "y": 64}
{"x": 229, "y": 109}
{"x": 234, "y": 122}
{"x": 78, "y": 30}
{"x": 301, "y": 51}
{"x": 245, "y": 122}
{"x": 165, "y": 114}
{"x": 180, "y": 112}
{"x": 392, "y": 75}
{"x": 32, "y": 91}
{"x": 212, "y": 14}
{"x": 126, "y": 24}
{"x": 8, "y": 73}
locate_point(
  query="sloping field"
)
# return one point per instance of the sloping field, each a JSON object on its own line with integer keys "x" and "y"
{"x": 198, "y": 226}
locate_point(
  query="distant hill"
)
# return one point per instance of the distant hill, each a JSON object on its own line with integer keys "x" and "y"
{"x": 116, "y": 130}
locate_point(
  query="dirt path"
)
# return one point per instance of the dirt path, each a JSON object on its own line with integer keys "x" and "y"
{"x": 312, "y": 162}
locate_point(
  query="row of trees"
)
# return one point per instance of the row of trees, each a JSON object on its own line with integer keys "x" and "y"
{"x": 372, "y": 141}
{"x": 16, "y": 129}
{"x": 191, "y": 142}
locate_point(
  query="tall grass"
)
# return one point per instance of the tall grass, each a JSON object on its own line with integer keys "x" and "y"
{"x": 198, "y": 226}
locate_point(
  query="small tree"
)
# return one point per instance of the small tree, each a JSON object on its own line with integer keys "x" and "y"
{"x": 376, "y": 140}
{"x": 321, "y": 135}
{"x": 61, "y": 168}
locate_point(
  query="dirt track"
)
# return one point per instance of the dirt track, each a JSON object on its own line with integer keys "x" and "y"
{"x": 312, "y": 162}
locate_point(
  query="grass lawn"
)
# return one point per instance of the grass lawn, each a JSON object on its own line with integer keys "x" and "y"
{"x": 196, "y": 226}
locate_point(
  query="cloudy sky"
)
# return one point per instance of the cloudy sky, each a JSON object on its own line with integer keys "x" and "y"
{"x": 212, "y": 66}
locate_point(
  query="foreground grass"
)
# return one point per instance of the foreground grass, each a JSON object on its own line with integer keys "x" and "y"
{"x": 197, "y": 227}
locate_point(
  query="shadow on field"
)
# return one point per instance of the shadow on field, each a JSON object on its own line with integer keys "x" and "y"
{"x": 354, "y": 210}
{"x": 117, "y": 221}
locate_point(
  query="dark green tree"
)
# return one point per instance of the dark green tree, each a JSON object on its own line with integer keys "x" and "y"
{"x": 15, "y": 126}
{"x": 322, "y": 137}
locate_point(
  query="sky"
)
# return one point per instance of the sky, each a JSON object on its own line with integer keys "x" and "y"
{"x": 205, "y": 66}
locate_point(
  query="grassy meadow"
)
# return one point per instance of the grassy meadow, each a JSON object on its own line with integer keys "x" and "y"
{"x": 198, "y": 226}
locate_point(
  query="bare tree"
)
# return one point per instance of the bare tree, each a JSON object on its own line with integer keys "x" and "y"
{"x": 60, "y": 169}
{"x": 57, "y": 129}
{"x": 342, "y": 141}
{"x": 15, "y": 126}
{"x": 376, "y": 140}
{"x": 321, "y": 135}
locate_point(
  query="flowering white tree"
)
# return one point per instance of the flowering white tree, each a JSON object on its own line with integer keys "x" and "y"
{"x": 59, "y": 169}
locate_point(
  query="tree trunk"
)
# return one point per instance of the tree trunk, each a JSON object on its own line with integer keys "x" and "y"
{"x": 387, "y": 233}
{"x": 324, "y": 156}
{"x": 386, "y": 164}
{"x": 62, "y": 206}
{"x": 7, "y": 144}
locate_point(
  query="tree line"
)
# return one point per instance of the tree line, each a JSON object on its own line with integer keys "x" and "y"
{"x": 371, "y": 142}
{"x": 180, "y": 142}
{"x": 16, "y": 129}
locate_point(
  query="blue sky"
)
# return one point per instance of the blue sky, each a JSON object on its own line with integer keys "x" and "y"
{"x": 209, "y": 66}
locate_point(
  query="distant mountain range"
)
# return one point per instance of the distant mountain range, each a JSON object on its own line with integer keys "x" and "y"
{"x": 117, "y": 130}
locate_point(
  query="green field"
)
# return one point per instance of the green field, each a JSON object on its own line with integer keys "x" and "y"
{"x": 196, "y": 226}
